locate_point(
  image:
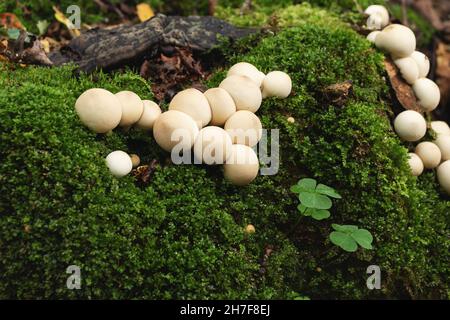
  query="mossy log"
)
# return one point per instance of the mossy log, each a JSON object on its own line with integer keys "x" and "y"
{"x": 111, "y": 48}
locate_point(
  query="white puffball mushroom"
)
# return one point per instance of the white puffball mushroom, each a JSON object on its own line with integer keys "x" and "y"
{"x": 416, "y": 164}
{"x": 99, "y": 110}
{"x": 379, "y": 10}
{"x": 443, "y": 174}
{"x": 193, "y": 103}
{"x": 276, "y": 84}
{"x": 408, "y": 69}
{"x": 440, "y": 127}
{"x": 245, "y": 93}
{"x": 443, "y": 143}
{"x": 248, "y": 70}
{"x": 372, "y": 36}
{"x": 174, "y": 128}
{"x": 428, "y": 93}
{"x": 375, "y": 22}
{"x": 423, "y": 63}
{"x": 132, "y": 108}
{"x": 242, "y": 167}
{"x": 410, "y": 125}
{"x": 396, "y": 39}
{"x": 151, "y": 112}
{"x": 222, "y": 105}
{"x": 244, "y": 127}
{"x": 291, "y": 120}
{"x": 429, "y": 153}
{"x": 249, "y": 229}
{"x": 212, "y": 145}
{"x": 119, "y": 163}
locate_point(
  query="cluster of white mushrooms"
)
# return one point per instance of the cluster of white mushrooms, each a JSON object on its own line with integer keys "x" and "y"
{"x": 220, "y": 124}
{"x": 400, "y": 42}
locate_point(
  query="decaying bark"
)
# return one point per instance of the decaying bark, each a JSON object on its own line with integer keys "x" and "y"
{"x": 111, "y": 48}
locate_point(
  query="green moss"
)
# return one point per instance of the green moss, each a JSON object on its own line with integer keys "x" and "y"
{"x": 181, "y": 235}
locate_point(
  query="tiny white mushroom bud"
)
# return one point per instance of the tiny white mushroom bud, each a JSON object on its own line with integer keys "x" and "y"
{"x": 423, "y": 63}
{"x": 379, "y": 10}
{"x": 194, "y": 103}
{"x": 242, "y": 166}
{"x": 212, "y": 145}
{"x": 248, "y": 70}
{"x": 222, "y": 105}
{"x": 408, "y": 69}
{"x": 119, "y": 163}
{"x": 372, "y": 36}
{"x": 276, "y": 84}
{"x": 410, "y": 125}
{"x": 245, "y": 93}
{"x": 132, "y": 108}
{"x": 99, "y": 110}
{"x": 440, "y": 128}
{"x": 151, "y": 112}
{"x": 416, "y": 164}
{"x": 428, "y": 93}
{"x": 443, "y": 142}
{"x": 173, "y": 128}
{"x": 396, "y": 39}
{"x": 429, "y": 153}
{"x": 290, "y": 120}
{"x": 244, "y": 127}
{"x": 375, "y": 22}
{"x": 443, "y": 174}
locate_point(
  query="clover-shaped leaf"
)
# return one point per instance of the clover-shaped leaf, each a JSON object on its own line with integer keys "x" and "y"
{"x": 344, "y": 241}
{"x": 323, "y": 189}
{"x": 315, "y": 200}
{"x": 319, "y": 214}
{"x": 349, "y": 236}
{"x": 363, "y": 237}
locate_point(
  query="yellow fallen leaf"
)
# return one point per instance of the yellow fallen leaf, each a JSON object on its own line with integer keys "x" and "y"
{"x": 144, "y": 11}
{"x": 45, "y": 45}
{"x": 64, "y": 20}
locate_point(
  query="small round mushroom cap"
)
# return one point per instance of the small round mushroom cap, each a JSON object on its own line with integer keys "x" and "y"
{"x": 222, "y": 105}
{"x": 416, "y": 164}
{"x": 396, "y": 39}
{"x": 193, "y": 103}
{"x": 151, "y": 112}
{"x": 429, "y": 153}
{"x": 135, "y": 160}
{"x": 428, "y": 93}
{"x": 174, "y": 128}
{"x": 290, "y": 120}
{"x": 408, "y": 69}
{"x": 423, "y": 63}
{"x": 99, "y": 110}
{"x": 410, "y": 125}
{"x": 249, "y": 229}
{"x": 248, "y": 70}
{"x": 132, "y": 108}
{"x": 119, "y": 163}
{"x": 440, "y": 127}
{"x": 375, "y": 22}
{"x": 212, "y": 145}
{"x": 443, "y": 174}
{"x": 372, "y": 36}
{"x": 242, "y": 167}
{"x": 276, "y": 84}
{"x": 244, "y": 127}
{"x": 379, "y": 10}
{"x": 245, "y": 93}
{"x": 443, "y": 143}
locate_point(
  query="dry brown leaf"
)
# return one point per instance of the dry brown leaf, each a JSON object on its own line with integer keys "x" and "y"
{"x": 10, "y": 20}
{"x": 443, "y": 71}
{"x": 144, "y": 11}
{"x": 403, "y": 90}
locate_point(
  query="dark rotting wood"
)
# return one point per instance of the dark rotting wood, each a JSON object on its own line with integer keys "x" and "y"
{"x": 116, "y": 47}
